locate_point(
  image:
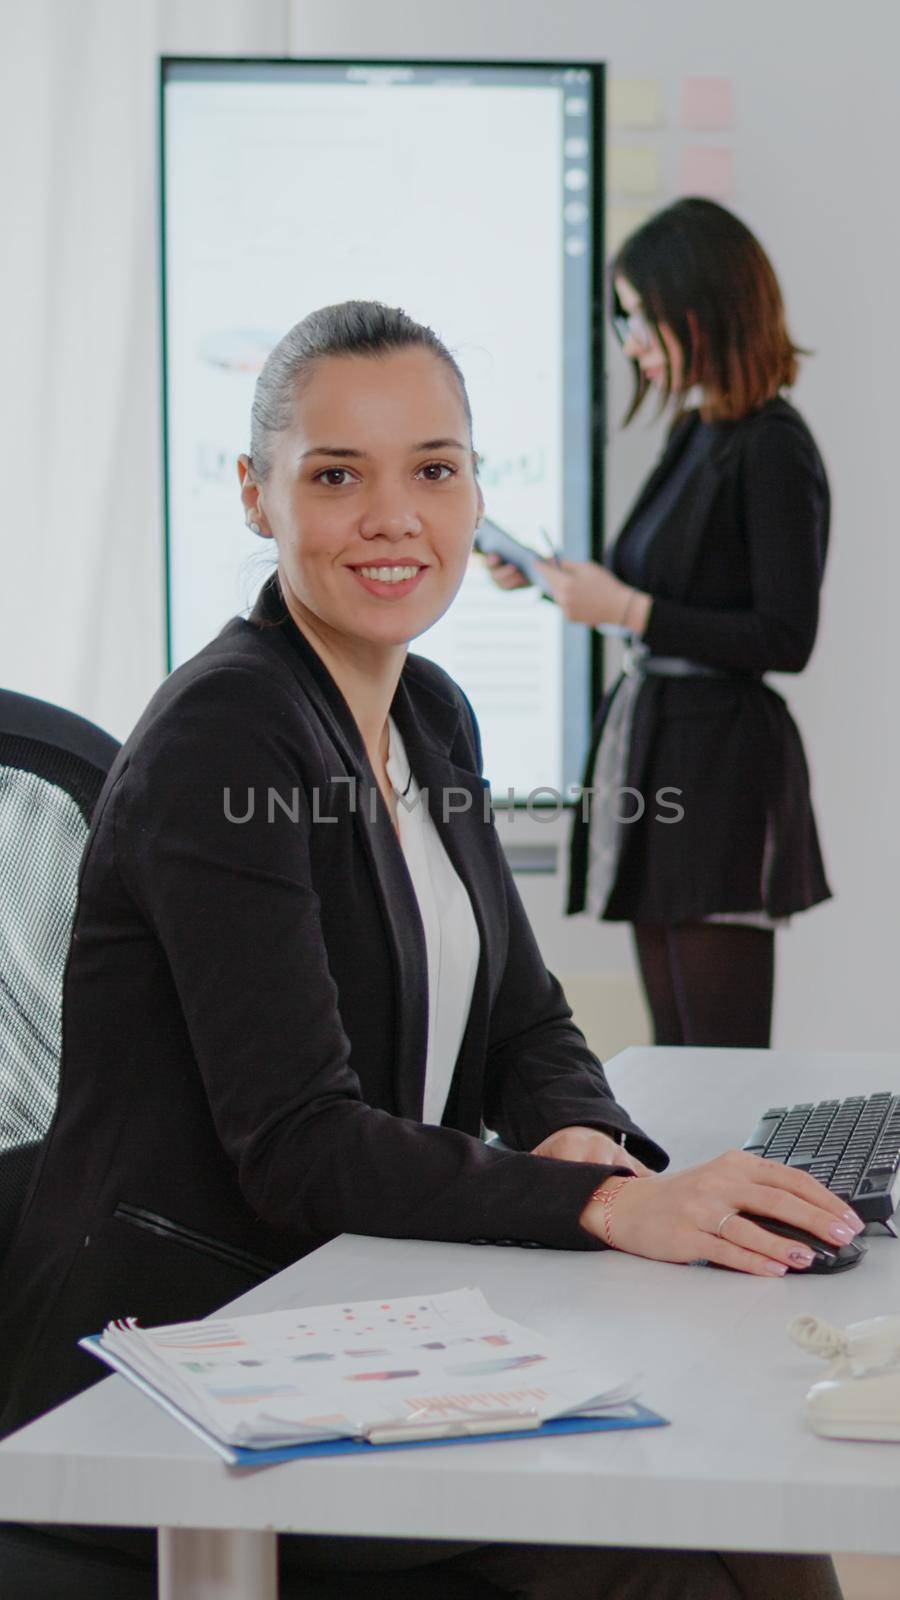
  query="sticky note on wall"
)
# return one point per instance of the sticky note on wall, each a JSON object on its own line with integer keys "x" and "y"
{"x": 634, "y": 103}
{"x": 706, "y": 103}
{"x": 633, "y": 169}
{"x": 707, "y": 170}
{"x": 622, "y": 221}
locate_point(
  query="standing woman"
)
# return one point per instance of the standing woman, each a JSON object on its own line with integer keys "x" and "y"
{"x": 696, "y": 824}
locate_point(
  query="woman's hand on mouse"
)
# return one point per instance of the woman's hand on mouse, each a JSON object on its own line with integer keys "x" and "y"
{"x": 676, "y": 1217}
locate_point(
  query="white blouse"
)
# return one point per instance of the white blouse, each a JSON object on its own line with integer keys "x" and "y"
{"x": 451, "y": 932}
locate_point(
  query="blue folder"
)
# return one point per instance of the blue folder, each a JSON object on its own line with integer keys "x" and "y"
{"x": 630, "y": 1416}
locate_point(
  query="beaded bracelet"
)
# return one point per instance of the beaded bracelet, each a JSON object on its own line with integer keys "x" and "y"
{"x": 607, "y": 1194}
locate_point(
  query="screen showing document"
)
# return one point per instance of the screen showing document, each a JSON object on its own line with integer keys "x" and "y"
{"x": 466, "y": 195}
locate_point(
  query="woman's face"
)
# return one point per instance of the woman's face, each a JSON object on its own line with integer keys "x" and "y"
{"x": 371, "y": 495}
{"x": 642, "y": 344}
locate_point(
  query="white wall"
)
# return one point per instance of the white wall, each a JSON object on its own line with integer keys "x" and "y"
{"x": 81, "y": 603}
{"x": 818, "y": 119}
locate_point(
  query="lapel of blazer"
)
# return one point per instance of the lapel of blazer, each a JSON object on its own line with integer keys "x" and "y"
{"x": 429, "y": 724}
{"x": 459, "y": 805}
{"x": 375, "y": 832}
{"x": 693, "y": 514}
{"x": 693, "y": 511}
{"x": 674, "y": 446}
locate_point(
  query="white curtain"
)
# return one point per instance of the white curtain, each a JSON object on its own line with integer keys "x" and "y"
{"x": 81, "y": 585}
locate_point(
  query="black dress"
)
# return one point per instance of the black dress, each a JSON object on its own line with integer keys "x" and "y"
{"x": 729, "y": 536}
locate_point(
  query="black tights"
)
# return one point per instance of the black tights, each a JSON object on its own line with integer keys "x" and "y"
{"x": 708, "y": 983}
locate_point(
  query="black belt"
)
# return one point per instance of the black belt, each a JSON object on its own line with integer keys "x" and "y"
{"x": 638, "y": 662}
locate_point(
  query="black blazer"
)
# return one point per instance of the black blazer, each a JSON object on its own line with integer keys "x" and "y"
{"x": 735, "y": 572}
{"x": 246, "y": 1008}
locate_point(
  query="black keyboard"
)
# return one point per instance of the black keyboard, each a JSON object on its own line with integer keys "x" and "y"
{"x": 852, "y": 1146}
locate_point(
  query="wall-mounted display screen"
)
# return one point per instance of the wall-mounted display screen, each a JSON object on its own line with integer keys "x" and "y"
{"x": 468, "y": 195}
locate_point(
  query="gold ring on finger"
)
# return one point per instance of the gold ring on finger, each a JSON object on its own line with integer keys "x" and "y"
{"x": 727, "y": 1218}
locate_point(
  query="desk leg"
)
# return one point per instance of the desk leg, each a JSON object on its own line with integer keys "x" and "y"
{"x": 216, "y": 1564}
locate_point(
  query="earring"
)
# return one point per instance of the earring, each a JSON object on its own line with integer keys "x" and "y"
{"x": 253, "y": 526}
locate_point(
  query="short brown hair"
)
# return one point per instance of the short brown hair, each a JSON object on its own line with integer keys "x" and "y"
{"x": 701, "y": 271}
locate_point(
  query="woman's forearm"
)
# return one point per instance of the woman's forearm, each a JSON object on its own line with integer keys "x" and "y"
{"x": 637, "y": 612}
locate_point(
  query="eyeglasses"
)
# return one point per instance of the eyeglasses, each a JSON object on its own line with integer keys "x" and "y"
{"x": 632, "y": 325}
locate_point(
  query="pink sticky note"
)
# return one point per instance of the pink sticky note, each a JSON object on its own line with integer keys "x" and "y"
{"x": 707, "y": 170}
{"x": 706, "y": 103}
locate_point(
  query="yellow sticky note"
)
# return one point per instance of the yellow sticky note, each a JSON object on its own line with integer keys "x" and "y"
{"x": 634, "y": 103}
{"x": 622, "y": 221}
{"x": 633, "y": 169}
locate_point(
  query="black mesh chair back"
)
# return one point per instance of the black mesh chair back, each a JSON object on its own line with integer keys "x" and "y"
{"x": 52, "y": 768}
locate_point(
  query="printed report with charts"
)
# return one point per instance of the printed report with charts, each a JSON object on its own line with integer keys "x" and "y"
{"x": 391, "y": 1371}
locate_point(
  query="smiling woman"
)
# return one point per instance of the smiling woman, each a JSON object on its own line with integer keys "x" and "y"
{"x": 291, "y": 1020}
{"x": 366, "y": 481}
{"x": 388, "y": 509}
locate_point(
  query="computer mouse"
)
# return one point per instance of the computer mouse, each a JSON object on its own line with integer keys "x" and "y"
{"x": 828, "y": 1257}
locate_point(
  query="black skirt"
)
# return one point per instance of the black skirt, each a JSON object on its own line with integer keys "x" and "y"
{"x": 727, "y": 823}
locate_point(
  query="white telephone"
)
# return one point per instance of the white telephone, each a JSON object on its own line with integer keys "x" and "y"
{"x": 859, "y": 1397}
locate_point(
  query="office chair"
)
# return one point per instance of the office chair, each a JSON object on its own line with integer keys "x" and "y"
{"x": 52, "y": 768}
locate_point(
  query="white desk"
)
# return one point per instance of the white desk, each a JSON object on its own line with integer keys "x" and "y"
{"x": 736, "y": 1470}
